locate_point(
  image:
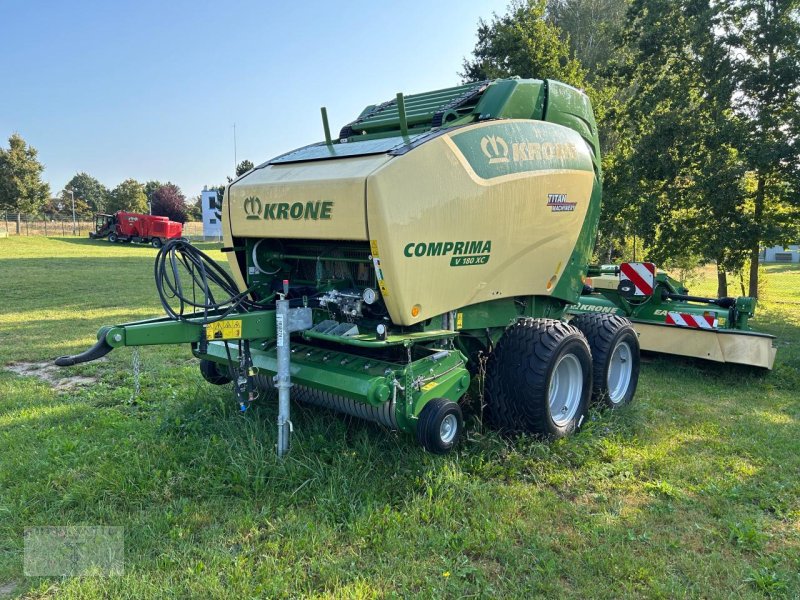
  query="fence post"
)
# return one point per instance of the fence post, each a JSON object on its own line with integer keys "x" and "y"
{"x": 63, "y": 231}
{"x": 28, "y": 224}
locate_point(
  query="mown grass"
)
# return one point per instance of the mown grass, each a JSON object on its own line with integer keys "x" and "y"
{"x": 693, "y": 491}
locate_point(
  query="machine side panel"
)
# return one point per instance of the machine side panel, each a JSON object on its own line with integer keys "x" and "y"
{"x": 488, "y": 211}
{"x": 320, "y": 199}
{"x": 228, "y": 242}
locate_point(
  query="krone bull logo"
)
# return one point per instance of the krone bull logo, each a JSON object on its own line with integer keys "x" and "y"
{"x": 495, "y": 148}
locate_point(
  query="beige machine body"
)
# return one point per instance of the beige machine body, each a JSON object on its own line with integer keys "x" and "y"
{"x": 487, "y": 211}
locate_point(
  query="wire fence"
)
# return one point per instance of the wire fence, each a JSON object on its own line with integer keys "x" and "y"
{"x": 63, "y": 226}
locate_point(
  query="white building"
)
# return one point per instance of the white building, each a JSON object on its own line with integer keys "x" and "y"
{"x": 781, "y": 254}
{"x": 212, "y": 227}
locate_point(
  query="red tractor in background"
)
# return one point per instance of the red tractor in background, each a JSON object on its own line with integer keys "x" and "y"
{"x": 135, "y": 227}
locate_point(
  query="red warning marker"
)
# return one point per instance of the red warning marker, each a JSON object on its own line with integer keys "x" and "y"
{"x": 641, "y": 275}
{"x": 696, "y": 321}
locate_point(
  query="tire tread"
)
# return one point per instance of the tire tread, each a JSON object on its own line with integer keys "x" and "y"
{"x": 517, "y": 371}
{"x": 601, "y": 331}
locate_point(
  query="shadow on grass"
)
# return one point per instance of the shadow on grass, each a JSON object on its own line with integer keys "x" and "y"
{"x": 104, "y": 243}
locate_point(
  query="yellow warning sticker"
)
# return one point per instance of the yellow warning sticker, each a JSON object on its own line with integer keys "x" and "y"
{"x": 378, "y": 272}
{"x": 429, "y": 386}
{"x": 459, "y": 320}
{"x": 228, "y": 329}
{"x": 373, "y": 247}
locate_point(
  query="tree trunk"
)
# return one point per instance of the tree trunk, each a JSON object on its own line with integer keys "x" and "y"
{"x": 754, "y": 257}
{"x": 722, "y": 282}
{"x": 758, "y": 215}
{"x": 19, "y": 223}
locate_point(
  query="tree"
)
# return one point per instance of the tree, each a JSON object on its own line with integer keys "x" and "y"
{"x": 592, "y": 27}
{"x": 169, "y": 201}
{"x": 21, "y": 185}
{"x": 51, "y": 209}
{"x": 65, "y": 199}
{"x": 150, "y": 189}
{"x": 152, "y": 186}
{"x": 677, "y": 180}
{"x": 194, "y": 212}
{"x": 522, "y": 43}
{"x": 128, "y": 196}
{"x": 243, "y": 167}
{"x": 90, "y": 190}
{"x": 765, "y": 39}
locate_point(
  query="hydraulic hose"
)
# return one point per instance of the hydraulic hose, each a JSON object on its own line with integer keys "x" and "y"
{"x": 187, "y": 277}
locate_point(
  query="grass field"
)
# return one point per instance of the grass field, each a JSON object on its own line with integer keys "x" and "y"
{"x": 693, "y": 491}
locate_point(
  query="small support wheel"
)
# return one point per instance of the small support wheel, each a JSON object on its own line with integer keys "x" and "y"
{"x": 113, "y": 238}
{"x": 615, "y": 354}
{"x": 213, "y": 374}
{"x": 439, "y": 426}
{"x": 156, "y": 242}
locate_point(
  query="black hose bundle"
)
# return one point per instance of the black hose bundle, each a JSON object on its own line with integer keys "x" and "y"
{"x": 178, "y": 259}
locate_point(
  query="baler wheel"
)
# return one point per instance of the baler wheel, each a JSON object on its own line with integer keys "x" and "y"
{"x": 439, "y": 426}
{"x": 212, "y": 373}
{"x": 156, "y": 242}
{"x": 539, "y": 379}
{"x": 112, "y": 237}
{"x": 615, "y": 354}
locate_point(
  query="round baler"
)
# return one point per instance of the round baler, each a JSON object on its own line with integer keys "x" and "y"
{"x": 435, "y": 243}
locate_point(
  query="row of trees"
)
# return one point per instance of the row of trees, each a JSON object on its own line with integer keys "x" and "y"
{"x": 698, "y": 103}
{"x": 164, "y": 199}
{"x": 22, "y": 190}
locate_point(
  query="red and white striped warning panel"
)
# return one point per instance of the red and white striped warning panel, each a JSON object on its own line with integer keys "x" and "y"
{"x": 696, "y": 321}
{"x": 641, "y": 275}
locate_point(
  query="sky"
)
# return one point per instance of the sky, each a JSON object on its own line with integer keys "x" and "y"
{"x": 151, "y": 90}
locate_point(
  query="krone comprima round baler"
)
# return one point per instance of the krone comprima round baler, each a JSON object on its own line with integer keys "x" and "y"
{"x": 435, "y": 243}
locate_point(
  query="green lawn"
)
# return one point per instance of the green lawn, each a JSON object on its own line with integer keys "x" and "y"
{"x": 693, "y": 491}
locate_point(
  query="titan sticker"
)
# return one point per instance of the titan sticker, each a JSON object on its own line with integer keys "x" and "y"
{"x": 558, "y": 203}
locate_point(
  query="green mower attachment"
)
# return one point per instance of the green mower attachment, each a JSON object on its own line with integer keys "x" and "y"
{"x": 669, "y": 320}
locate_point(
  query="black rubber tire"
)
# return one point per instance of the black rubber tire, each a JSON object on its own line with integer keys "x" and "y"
{"x": 156, "y": 243}
{"x": 430, "y": 423}
{"x": 112, "y": 237}
{"x": 213, "y": 373}
{"x": 519, "y": 372}
{"x": 604, "y": 333}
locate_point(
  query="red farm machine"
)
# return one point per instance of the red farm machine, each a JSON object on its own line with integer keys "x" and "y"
{"x": 135, "y": 227}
